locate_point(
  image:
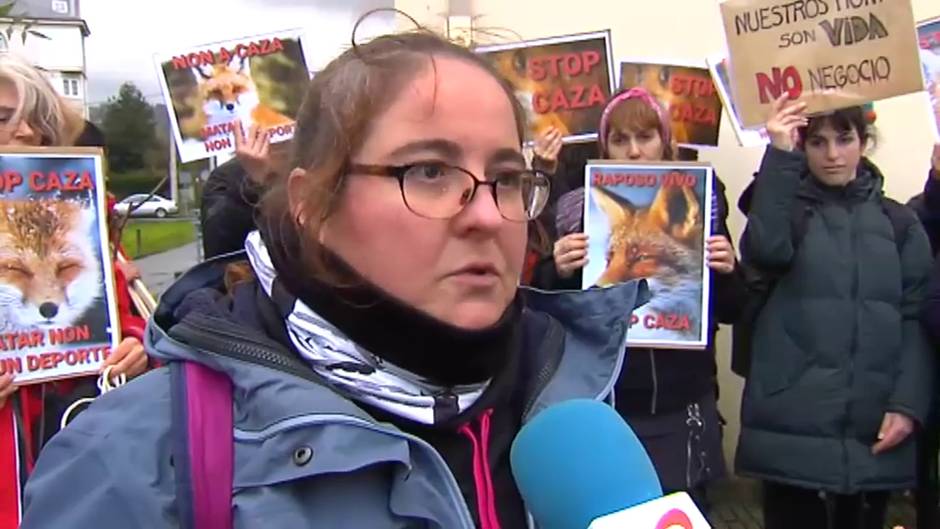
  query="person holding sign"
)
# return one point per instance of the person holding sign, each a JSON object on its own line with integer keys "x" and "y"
{"x": 841, "y": 371}
{"x": 375, "y": 365}
{"x": 33, "y": 115}
{"x": 668, "y": 396}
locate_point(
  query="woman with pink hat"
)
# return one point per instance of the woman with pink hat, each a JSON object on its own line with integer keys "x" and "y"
{"x": 667, "y": 396}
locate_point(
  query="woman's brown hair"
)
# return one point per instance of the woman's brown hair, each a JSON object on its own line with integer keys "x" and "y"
{"x": 334, "y": 120}
{"x": 635, "y": 115}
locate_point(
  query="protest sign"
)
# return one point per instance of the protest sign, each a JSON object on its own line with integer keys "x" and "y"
{"x": 718, "y": 66}
{"x": 663, "y": 210}
{"x": 688, "y": 94}
{"x": 258, "y": 80}
{"x": 830, "y": 54}
{"x": 58, "y": 316}
{"x": 562, "y": 82}
{"x": 928, "y": 34}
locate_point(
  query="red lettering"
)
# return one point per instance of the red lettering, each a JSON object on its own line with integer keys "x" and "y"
{"x": 11, "y": 180}
{"x": 225, "y": 56}
{"x": 180, "y": 63}
{"x": 575, "y": 98}
{"x": 32, "y": 363}
{"x": 218, "y": 145}
{"x": 787, "y": 79}
{"x": 11, "y": 365}
{"x": 276, "y": 45}
{"x": 569, "y": 64}
{"x": 669, "y": 322}
{"x": 536, "y": 70}
{"x": 687, "y": 112}
{"x": 677, "y": 179}
{"x": 69, "y": 335}
{"x": 625, "y": 179}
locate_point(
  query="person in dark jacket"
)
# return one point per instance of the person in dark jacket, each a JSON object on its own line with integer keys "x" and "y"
{"x": 669, "y": 397}
{"x": 927, "y": 207}
{"x": 841, "y": 370}
{"x": 227, "y": 210}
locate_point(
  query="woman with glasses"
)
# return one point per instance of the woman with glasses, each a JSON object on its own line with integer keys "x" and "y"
{"x": 668, "y": 396}
{"x": 381, "y": 354}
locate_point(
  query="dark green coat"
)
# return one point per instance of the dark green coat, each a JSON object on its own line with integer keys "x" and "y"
{"x": 838, "y": 343}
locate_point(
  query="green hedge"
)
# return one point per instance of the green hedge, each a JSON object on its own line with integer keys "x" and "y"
{"x": 137, "y": 181}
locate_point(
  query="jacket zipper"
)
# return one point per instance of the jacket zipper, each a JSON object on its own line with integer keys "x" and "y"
{"x": 553, "y": 336}
{"x": 654, "y": 403}
{"x": 853, "y": 347}
{"x": 264, "y": 355}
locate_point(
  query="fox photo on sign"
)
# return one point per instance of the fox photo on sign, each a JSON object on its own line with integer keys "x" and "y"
{"x": 651, "y": 221}
{"x": 928, "y": 34}
{"x": 57, "y": 304}
{"x": 689, "y": 94}
{"x": 829, "y": 54}
{"x": 562, "y": 82}
{"x": 256, "y": 80}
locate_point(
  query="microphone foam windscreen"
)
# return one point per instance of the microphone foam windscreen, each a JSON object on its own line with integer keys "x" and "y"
{"x": 578, "y": 460}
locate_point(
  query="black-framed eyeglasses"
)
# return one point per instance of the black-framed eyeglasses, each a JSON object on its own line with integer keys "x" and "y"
{"x": 440, "y": 191}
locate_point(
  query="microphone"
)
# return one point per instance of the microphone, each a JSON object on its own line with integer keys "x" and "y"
{"x": 578, "y": 465}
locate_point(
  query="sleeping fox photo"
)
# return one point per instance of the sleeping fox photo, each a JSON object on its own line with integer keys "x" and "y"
{"x": 653, "y": 230}
{"x": 49, "y": 275}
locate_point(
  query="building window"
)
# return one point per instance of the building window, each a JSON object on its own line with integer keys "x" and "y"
{"x": 70, "y": 86}
{"x": 60, "y": 6}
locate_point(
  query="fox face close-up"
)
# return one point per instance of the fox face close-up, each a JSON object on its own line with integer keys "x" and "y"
{"x": 49, "y": 276}
{"x": 661, "y": 242}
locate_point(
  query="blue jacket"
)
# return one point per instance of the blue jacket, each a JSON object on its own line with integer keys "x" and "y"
{"x": 111, "y": 468}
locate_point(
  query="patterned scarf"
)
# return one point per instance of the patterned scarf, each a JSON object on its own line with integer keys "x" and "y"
{"x": 352, "y": 369}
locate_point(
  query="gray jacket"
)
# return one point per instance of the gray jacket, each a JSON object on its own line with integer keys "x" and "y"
{"x": 112, "y": 467}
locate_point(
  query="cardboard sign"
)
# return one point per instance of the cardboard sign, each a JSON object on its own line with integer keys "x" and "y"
{"x": 718, "y": 66}
{"x": 829, "y": 53}
{"x": 58, "y": 315}
{"x": 257, "y": 80}
{"x": 562, "y": 82}
{"x": 662, "y": 208}
{"x": 928, "y": 34}
{"x": 686, "y": 91}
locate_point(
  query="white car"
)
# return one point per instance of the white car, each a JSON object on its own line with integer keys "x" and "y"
{"x": 155, "y": 206}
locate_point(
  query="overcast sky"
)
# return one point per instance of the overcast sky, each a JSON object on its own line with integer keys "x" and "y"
{"x": 126, "y": 33}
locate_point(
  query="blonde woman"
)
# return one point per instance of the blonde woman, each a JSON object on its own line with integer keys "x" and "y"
{"x": 31, "y": 112}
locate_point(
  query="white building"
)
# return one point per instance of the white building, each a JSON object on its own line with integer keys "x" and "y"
{"x": 62, "y": 55}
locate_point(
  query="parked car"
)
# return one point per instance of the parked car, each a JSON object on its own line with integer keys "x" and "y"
{"x": 155, "y": 206}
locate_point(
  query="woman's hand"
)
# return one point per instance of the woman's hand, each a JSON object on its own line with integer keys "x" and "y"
{"x": 783, "y": 122}
{"x": 252, "y": 151}
{"x": 720, "y": 254}
{"x": 570, "y": 254}
{"x": 6, "y": 388}
{"x": 129, "y": 269}
{"x": 895, "y": 428}
{"x": 546, "y": 148}
{"x": 128, "y": 359}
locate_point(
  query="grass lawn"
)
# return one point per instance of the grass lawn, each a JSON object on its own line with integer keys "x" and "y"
{"x": 156, "y": 236}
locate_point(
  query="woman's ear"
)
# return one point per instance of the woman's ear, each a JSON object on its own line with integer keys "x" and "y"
{"x": 296, "y": 191}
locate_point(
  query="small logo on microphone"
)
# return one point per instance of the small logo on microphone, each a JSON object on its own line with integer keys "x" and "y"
{"x": 675, "y": 519}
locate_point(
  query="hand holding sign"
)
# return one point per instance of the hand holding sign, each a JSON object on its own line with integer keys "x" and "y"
{"x": 784, "y": 120}
{"x": 6, "y": 388}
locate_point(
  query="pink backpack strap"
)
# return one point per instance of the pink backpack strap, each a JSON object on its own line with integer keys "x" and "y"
{"x": 203, "y": 445}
